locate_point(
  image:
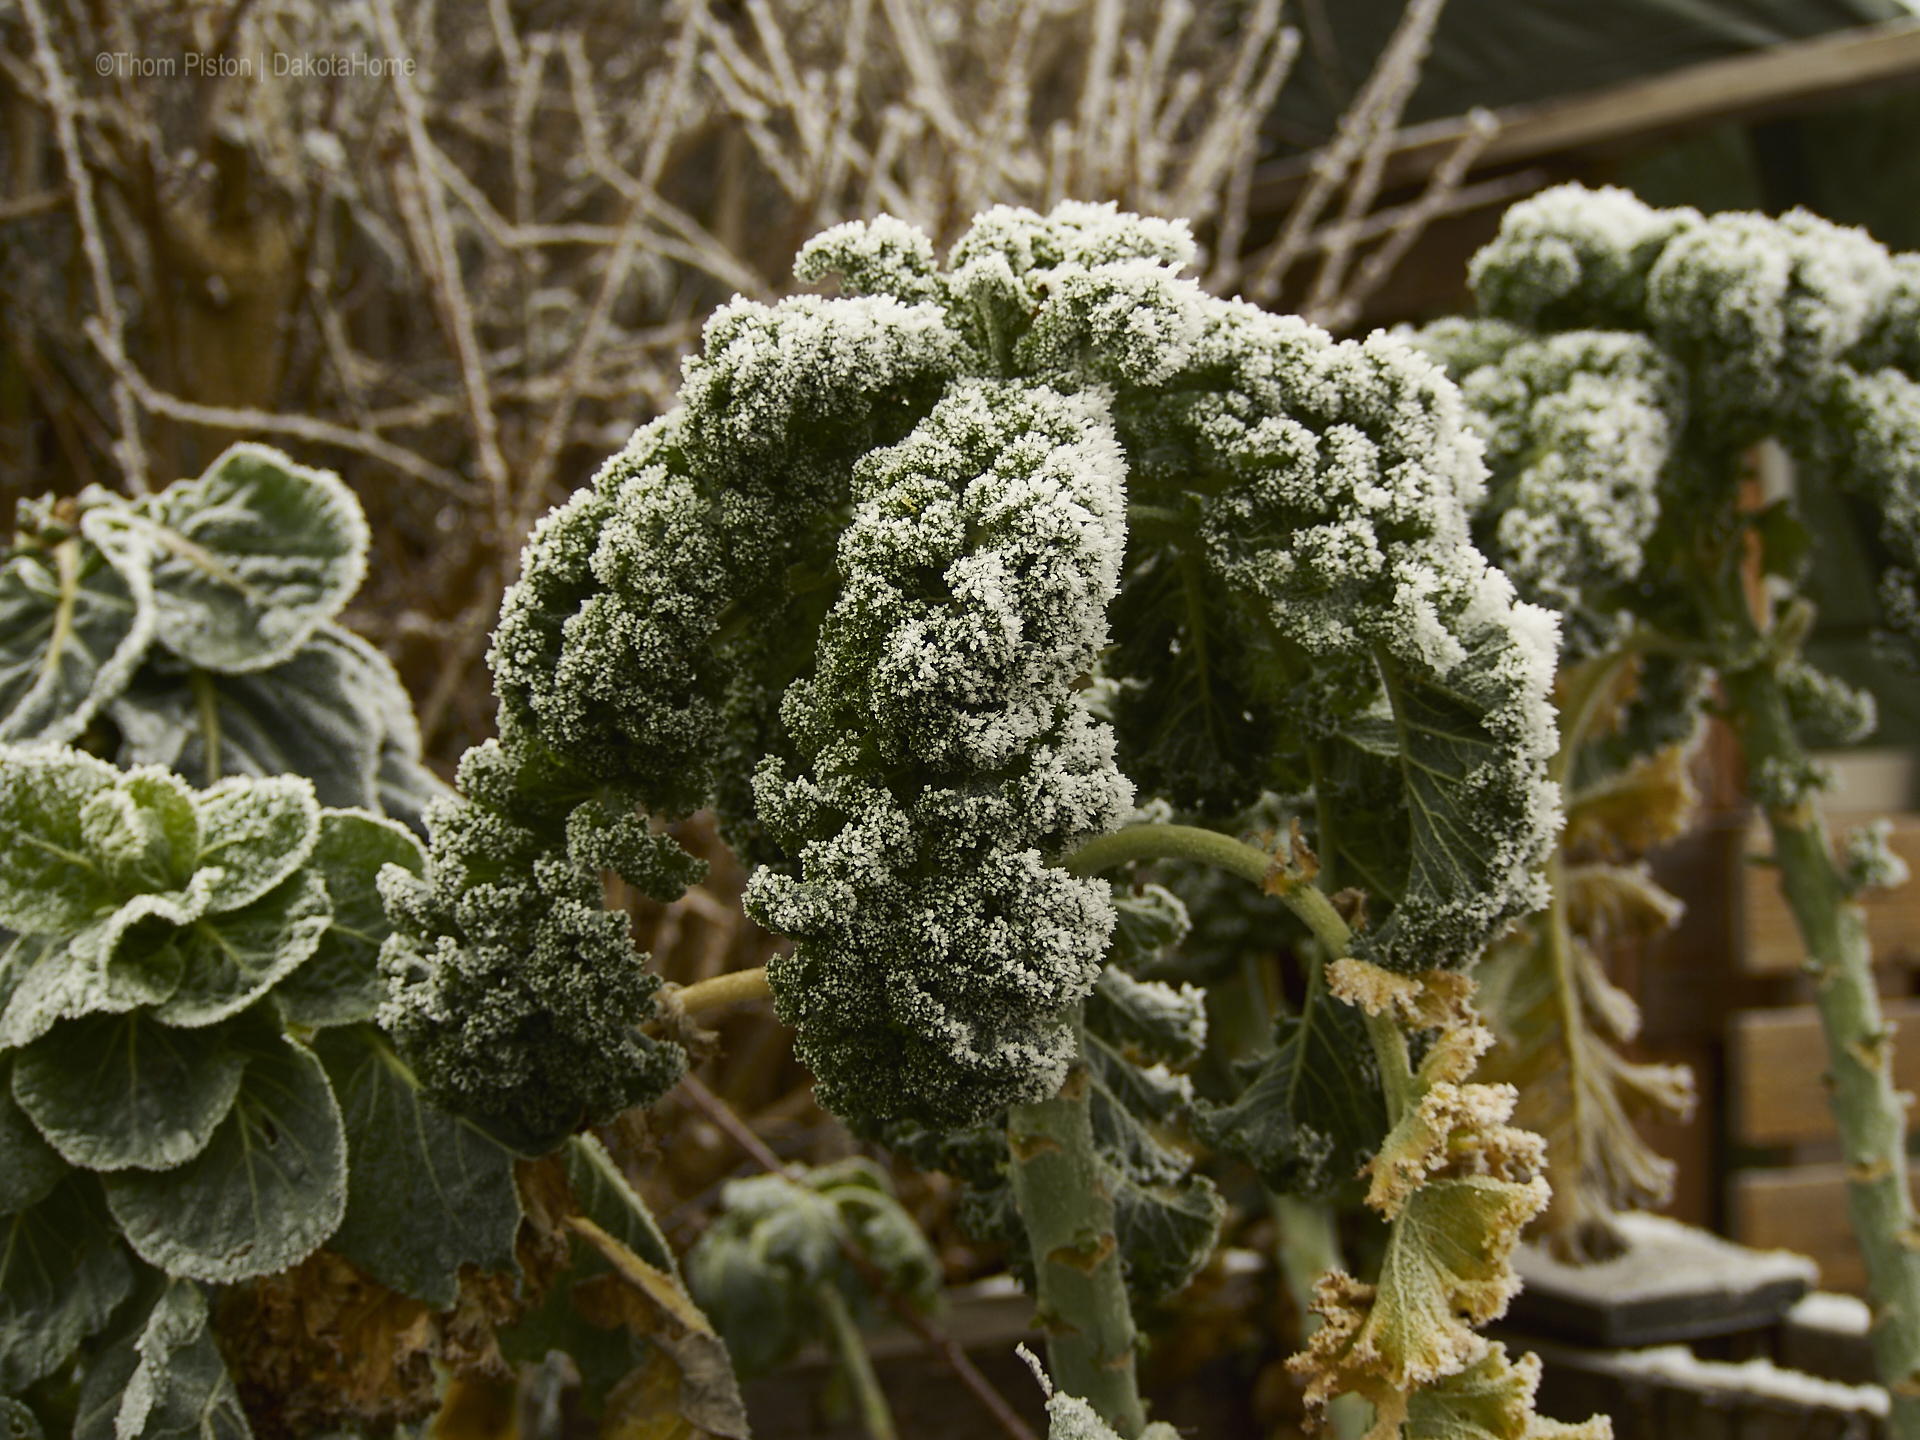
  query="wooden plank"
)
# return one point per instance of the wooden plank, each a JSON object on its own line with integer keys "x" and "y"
{"x": 1775, "y": 1061}
{"x": 1770, "y": 940}
{"x": 1803, "y": 1209}
{"x": 1766, "y": 81}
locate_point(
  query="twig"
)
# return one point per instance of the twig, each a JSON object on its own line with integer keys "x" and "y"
{"x": 936, "y": 1343}
{"x": 128, "y": 448}
{"x": 474, "y": 628}
{"x": 244, "y": 419}
{"x": 443, "y": 267}
{"x": 1443, "y": 195}
{"x": 1401, "y": 74}
{"x": 38, "y": 203}
{"x": 1358, "y": 127}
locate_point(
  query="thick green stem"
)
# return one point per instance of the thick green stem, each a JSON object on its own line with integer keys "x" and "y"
{"x": 1866, "y": 1107}
{"x": 1307, "y": 1247}
{"x": 875, "y": 1416}
{"x": 1081, "y": 1293}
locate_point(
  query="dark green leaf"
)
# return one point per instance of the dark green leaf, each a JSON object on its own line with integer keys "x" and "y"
{"x": 72, "y": 629}
{"x": 428, "y": 1193}
{"x": 112, "y": 1092}
{"x": 232, "y": 959}
{"x": 1314, "y": 1112}
{"x": 323, "y": 714}
{"x": 248, "y": 558}
{"x": 341, "y": 983}
{"x": 605, "y": 1197}
{"x": 17, "y": 1422}
{"x": 61, "y": 1274}
{"x": 29, "y": 1167}
{"x": 1166, "y": 1218}
{"x": 1473, "y": 861}
{"x": 1151, "y": 921}
{"x": 1785, "y": 541}
{"x": 1148, "y": 1021}
{"x": 180, "y": 1386}
{"x": 264, "y": 1193}
{"x": 1188, "y": 715}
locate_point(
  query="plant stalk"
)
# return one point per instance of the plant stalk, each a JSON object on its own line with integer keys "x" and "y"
{"x": 1868, "y": 1110}
{"x": 875, "y": 1416}
{"x": 1081, "y": 1293}
{"x": 1307, "y": 1246}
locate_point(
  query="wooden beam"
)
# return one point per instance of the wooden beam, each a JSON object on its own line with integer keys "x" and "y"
{"x": 1769, "y": 939}
{"x": 1783, "y": 77}
{"x": 1775, "y": 1061}
{"x": 1804, "y": 1210}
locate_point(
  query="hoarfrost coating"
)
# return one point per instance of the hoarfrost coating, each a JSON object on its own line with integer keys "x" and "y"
{"x": 861, "y": 592}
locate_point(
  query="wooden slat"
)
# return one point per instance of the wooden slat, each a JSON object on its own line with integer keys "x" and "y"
{"x": 1782, "y": 76}
{"x": 1803, "y": 1209}
{"x": 1771, "y": 943}
{"x": 1775, "y": 1061}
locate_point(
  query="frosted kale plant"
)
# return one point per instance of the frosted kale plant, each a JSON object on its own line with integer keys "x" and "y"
{"x": 951, "y": 593}
{"x": 1687, "y": 342}
{"x": 194, "y": 629}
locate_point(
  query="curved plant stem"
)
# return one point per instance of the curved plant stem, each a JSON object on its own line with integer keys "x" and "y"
{"x": 1080, "y": 1290}
{"x": 1293, "y": 886}
{"x": 1866, "y": 1107}
{"x": 725, "y": 989}
{"x": 875, "y": 1417}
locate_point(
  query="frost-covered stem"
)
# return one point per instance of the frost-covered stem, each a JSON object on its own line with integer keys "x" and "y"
{"x": 875, "y": 1417}
{"x": 1866, "y": 1107}
{"x": 1081, "y": 1293}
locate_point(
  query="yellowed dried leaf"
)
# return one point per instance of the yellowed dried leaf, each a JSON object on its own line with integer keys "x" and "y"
{"x": 1649, "y": 804}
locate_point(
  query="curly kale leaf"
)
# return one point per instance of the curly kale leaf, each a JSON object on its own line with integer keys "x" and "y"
{"x": 1329, "y": 488}
{"x": 1578, "y": 428}
{"x": 937, "y": 950}
{"x": 512, "y": 991}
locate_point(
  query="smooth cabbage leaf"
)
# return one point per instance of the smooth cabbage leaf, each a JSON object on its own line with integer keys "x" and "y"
{"x": 73, "y": 628}
{"x": 339, "y": 983}
{"x": 29, "y": 1166}
{"x": 427, "y": 1192}
{"x": 62, "y": 1273}
{"x": 265, "y": 1191}
{"x": 123, "y": 1091}
{"x": 247, "y": 559}
{"x": 179, "y": 1385}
